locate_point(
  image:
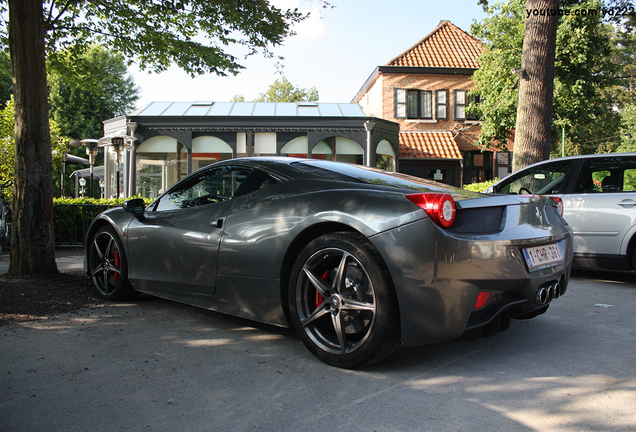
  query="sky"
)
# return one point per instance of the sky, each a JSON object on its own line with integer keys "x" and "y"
{"x": 336, "y": 50}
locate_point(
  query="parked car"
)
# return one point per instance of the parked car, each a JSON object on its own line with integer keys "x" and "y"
{"x": 598, "y": 194}
{"x": 359, "y": 261}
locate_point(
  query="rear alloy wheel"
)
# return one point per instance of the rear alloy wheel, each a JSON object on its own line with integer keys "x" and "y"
{"x": 107, "y": 266}
{"x": 342, "y": 301}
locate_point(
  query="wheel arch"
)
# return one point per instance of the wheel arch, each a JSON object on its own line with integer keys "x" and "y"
{"x": 299, "y": 242}
{"x": 631, "y": 252}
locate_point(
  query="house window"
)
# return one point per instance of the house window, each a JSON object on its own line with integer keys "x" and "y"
{"x": 400, "y": 103}
{"x": 413, "y": 104}
{"x": 461, "y": 101}
{"x": 440, "y": 104}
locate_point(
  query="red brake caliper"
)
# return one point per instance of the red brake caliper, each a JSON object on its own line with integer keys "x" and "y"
{"x": 117, "y": 264}
{"x": 319, "y": 298}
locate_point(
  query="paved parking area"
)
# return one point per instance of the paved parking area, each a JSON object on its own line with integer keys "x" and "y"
{"x": 70, "y": 258}
{"x": 154, "y": 365}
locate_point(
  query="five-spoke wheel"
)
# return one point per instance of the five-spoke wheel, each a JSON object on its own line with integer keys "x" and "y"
{"x": 107, "y": 265}
{"x": 342, "y": 301}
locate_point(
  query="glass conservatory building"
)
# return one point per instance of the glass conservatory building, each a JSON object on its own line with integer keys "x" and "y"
{"x": 152, "y": 148}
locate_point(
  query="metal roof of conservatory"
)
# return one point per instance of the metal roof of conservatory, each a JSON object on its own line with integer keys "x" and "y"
{"x": 249, "y": 109}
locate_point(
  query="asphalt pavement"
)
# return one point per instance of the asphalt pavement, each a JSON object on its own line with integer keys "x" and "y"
{"x": 66, "y": 258}
{"x": 154, "y": 365}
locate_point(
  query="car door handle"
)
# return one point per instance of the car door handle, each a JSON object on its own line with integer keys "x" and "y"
{"x": 217, "y": 223}
{"x": 627, "y": 203}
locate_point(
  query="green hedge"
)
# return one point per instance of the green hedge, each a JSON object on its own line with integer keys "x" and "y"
{"x": 96, "y": 201}
{"x": 480, "y": 187}
{"x": 73, "y": 216}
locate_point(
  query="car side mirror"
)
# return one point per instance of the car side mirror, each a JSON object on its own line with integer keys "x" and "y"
{"x": 136, "y": 207}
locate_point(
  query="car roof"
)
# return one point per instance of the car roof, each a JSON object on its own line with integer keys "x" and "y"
{"x": 578, "y": 157}
{"x": 318, "y": 169}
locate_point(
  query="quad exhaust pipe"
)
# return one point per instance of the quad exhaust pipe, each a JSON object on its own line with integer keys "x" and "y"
{"x": 547, "y": 293}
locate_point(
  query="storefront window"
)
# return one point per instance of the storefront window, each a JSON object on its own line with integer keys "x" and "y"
{"x": 159, "y": 165}
{"x": 322, "y": 151}
{"x": 385, "y": 156}
{"x": 265, "y": 144}
{"x": 348, "y": 150}
{"x": 207, "y": 150}
{"x": 295, "y": 148}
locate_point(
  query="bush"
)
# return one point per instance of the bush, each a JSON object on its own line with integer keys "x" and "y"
{"x": 73, "y": 216}
{"x": 480, "y": 187}
{"x": 112, "y": 202}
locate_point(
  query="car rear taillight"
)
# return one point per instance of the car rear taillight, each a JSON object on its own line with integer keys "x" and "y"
{"x": 559, "y": 205}
{"x": 439, "y": 207}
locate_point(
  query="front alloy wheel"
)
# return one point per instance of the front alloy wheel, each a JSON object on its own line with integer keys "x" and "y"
{"x": 342, "y": 301}
{"x": 107, "y": 266}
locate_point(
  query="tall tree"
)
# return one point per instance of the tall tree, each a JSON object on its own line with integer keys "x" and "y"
{"x": 587, "y": 86}
{"x": 157, "y": 34}
{"x": 32, "y": 233}
{"x": 536, "y": 86}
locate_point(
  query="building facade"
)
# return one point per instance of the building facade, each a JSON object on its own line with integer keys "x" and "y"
{"x": 169, "y": 140}
{"x": 425, "y": 90}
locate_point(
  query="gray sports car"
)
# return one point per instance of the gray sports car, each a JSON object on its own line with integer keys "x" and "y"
{"x": 361, "y": 262}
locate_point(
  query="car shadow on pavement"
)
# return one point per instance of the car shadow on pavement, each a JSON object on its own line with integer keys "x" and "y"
{"x": 605, "y": 275}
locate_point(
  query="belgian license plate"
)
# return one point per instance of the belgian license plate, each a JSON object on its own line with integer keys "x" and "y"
{"x": 539, "y": 257}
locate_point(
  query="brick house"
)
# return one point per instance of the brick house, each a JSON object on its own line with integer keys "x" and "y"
{"x": 424, "y": 89}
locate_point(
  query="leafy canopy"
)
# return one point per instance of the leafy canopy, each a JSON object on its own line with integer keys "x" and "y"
{"x": 193, "y": 34}
{"x": 283, "y": 91}
{"x": 587, "y": 85}
{"x": 88, "y": 87}
{"x": 628, "y": 130}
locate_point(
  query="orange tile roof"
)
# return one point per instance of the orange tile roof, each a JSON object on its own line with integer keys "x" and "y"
{"x": 428, "y": 145}
{"x": 446, "y": 46}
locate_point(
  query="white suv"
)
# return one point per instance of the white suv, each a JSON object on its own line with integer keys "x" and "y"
{"x": 599, "y": 199}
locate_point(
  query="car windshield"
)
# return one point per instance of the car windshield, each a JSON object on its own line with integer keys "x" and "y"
{"x": 544, "y": 179}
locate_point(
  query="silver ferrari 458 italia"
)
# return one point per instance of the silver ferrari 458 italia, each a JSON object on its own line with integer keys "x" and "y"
{"x": 360, "y": 262}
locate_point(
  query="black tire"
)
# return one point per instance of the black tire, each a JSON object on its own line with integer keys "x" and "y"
{"x": 342, "y": 301}
{"x": 107, "y": 266}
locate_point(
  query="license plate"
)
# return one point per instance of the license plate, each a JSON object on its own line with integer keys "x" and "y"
{"x": 539, "y": 257}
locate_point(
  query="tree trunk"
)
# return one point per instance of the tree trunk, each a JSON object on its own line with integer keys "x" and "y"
{"x": 32, "y": 228}
{"x": 536, "y": 86}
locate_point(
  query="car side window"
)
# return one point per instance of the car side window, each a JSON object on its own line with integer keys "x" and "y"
{"x": 607, "y": 175}
{"x": 208, "y": 187}
{"x": 544, "y": 179}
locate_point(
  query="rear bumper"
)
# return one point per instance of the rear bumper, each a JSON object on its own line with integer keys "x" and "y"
{"x": 438, "y": 277}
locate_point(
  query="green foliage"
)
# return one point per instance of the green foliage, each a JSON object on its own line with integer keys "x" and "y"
{"x": 628, "y": 130}
{"x": 6, "y": 78}
{"x": 111, "y": 202}
{"x": 88, "y": 87}
{"x": 73, "y": 216}
{"x": 85, "y": 88}
{"x": 7, "y": 142}
{"x": 480, "y": 187}
{"x": 587, "y": 87}
{"x": 283, "y": 91}
{"x": 193, "y": 34}
{"x": 502, "y": 31}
